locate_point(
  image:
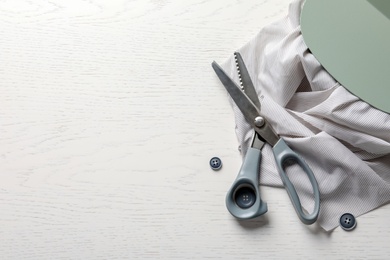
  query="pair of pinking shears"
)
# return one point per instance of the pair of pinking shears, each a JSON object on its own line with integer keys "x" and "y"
{"x": 243, "y": 199}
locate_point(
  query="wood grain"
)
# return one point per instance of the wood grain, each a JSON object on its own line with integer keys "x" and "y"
{"x": 109, "y": 114}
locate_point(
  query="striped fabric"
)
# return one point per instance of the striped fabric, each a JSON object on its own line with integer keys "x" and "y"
{"x": 344, "y": 140}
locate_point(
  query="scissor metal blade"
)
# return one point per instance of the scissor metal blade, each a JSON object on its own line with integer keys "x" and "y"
{"x": 247, "y": 83}
{"x": 248, "y": 109}
{"x": 246, "y": 106}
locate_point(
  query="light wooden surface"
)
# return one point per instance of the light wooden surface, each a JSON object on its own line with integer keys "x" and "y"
{"x": 109, "y": 115}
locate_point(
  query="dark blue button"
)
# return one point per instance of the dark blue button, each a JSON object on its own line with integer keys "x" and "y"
{"x": 347, "y": 221}
{"x": 245, "y": 197}
{"x": 215, "y": 163}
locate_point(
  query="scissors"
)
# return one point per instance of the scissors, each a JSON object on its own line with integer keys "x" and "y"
{"x": 243, "y": 198}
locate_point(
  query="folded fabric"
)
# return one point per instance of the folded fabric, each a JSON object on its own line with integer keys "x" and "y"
{"x": 345, "y": 141}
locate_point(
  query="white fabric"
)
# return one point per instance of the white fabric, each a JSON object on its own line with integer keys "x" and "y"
{"x": 345, "y": 141}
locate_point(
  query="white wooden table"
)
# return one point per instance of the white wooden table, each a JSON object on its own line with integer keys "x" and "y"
{"x": 109, "y": 115}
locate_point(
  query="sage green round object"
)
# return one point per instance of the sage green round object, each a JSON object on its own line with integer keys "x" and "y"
{"x": 351, "y": 40}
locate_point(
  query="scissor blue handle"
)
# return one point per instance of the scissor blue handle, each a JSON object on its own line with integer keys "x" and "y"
{"x": 243, "y": 199}
{"x": 282, "y": 154}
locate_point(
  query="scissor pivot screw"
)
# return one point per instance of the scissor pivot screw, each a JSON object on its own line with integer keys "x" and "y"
{"x": 259, "y": 121}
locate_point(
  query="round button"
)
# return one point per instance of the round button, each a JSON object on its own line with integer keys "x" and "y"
{"x": 245, "y": 197}
{"x": 347, "y": 221}
{"x": 215, "y": 163}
